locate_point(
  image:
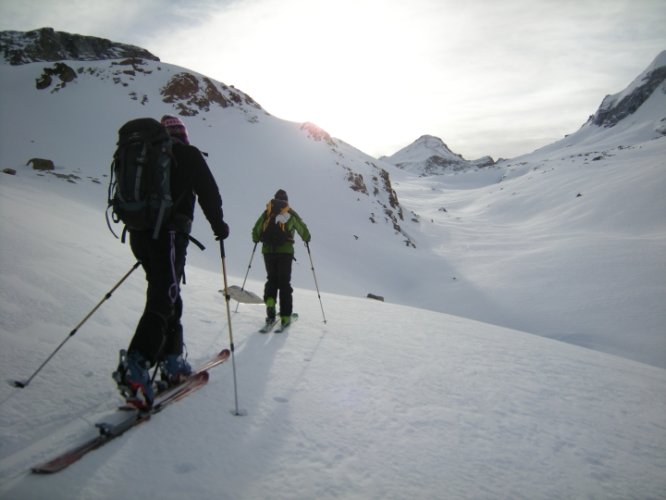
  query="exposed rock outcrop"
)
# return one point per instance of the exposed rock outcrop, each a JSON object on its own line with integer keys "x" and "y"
{"x": 41, "y": 164}
{"x": 46, "y": 44}
{"x": 615, "y": 108}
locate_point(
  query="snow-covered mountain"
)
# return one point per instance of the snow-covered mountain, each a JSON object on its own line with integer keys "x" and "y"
{"x": 376, "y": 228}
{"x": 429, "y": 155}
{"x": 633, "y": 116}
{"x": 616, "y": 108}
{"x": 385, "y": 400}
{"x": 253, "y": 154}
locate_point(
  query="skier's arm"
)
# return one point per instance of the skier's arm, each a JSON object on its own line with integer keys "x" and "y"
{"x": 258, "y": 226}
{"x": 208, "y": 194}
{"x": 300, "y": 227}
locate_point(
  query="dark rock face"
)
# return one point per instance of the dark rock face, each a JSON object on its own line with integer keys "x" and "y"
{"x": 47, "y": 45}
{"x": 610, "y": 112}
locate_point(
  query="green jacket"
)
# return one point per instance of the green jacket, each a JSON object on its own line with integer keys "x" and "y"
{"x": 295, "y": 223}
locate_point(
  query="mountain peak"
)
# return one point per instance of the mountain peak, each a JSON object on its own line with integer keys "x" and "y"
{"x": 432, "y": 142}
{"x": 429, "y": 155}
{"x": 46, "y": 44}
{"x": 617, "y": 107}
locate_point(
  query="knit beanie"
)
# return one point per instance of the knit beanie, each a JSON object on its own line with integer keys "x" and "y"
{"x": 281, "y": 194}
{"x": 176, "y": 128}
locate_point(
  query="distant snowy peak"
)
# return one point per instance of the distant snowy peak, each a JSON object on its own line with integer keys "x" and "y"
{"x": 46, "y": 45}
{"x": 429, "y": 155}
{"x": 617, "y": 107}
{"x": 626, "y": 119}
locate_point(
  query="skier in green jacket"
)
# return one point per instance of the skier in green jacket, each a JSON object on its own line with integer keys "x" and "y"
{"x": 275, "y": 228}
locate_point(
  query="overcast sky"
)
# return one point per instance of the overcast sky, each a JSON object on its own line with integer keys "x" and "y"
{"x": 489, "y": 77}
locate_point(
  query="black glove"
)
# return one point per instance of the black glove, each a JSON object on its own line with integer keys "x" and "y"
{"x": 222, "y": 232}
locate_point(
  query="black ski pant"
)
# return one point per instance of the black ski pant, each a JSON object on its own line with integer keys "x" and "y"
{"x": 278, "y": 280}
{"x": 159, "y": 331}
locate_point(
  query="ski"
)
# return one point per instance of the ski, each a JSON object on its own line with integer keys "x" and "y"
{"x": 131, "y": 417}
{"x": 283, "y": 328}
{"x": 268, "y": 326}
{"x": 218, "y": 359}
{"x": 107, "y": 432}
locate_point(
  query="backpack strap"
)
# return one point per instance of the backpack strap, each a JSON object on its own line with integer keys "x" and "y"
{"x": 267, "y": 219}
{"x": 109, "y": 206}
{"x": 196, "y": 242}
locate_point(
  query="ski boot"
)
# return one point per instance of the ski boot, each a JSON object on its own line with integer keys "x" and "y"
{"x": 134, "y": 381}
{"x": 285, "y": 321}
{"x": 174, "y": 370}
{"x": 270, "y": 311}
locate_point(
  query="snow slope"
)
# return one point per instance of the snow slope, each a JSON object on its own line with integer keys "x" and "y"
{"x": 572, "y": 248}
{"x": 431, "y": 394}
{"x": 382, "y": 401}
{"x": 412, "y": 253}
{"x": 251, "y": 153}
{"x": 568, "y": 241}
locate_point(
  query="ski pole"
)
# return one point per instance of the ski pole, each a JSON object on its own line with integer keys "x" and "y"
{"x": 307, "y": 245}
{"x": 22, "y": 384}
{"x": 246, "y": 274}
{"x": 236, "y": 412}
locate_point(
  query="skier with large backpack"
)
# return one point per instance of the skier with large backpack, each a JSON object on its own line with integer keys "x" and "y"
{"x": 156, "y": 178}
{"x": 275, "y": 228}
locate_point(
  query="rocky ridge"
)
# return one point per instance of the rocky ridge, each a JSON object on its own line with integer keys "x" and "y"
{"x": 47, "y": 45}
{"x": 615, "y": 108}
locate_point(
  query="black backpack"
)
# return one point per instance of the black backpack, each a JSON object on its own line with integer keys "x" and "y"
{"x": 274, "y": 232}
{"x": 140, "y": 184}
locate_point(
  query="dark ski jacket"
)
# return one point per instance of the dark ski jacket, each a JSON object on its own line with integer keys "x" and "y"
{"x": 190, "y": 180}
